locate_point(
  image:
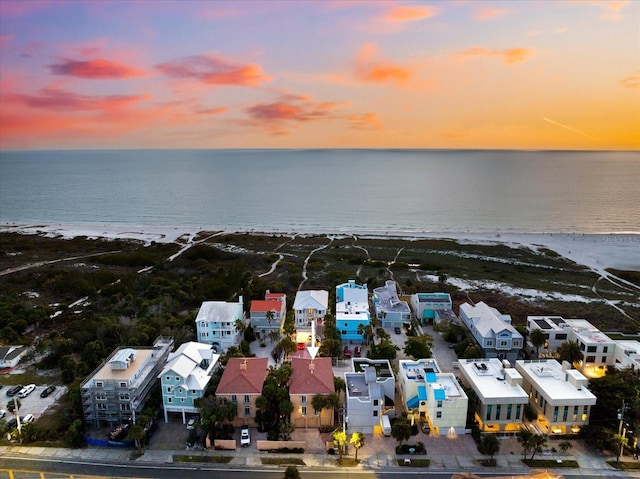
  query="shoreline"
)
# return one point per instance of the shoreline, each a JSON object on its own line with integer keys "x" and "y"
{"x": 597, "y": 251}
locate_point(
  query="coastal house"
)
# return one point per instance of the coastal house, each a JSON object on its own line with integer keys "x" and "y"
{"x": 267, "y": 315}
{"x": 432, "y": 307}
{"x": 185, "y": 378}
{"x": 216, "y": 323}
{"x": 501, "y": 398}
{"x": 558, "y": 395}
{"x": 117, "y": 390}
{"x": 598, "y": 350}
{"x": 627, "y": 354}
{"x": 432, "y": 396}
{"x": 241, "y": 383}
{"x": 492, "y": 331}
{"x": 352, "y": 310}
{"x": 389, "y": 309}
{"x": 310, "y": 305}
{"x": 10, "y": 355}
{"x": 308, "y": 378}
{"x": 370, "y": 392}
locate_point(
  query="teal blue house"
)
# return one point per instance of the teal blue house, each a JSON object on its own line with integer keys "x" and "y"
{"x": 352, "y": 310}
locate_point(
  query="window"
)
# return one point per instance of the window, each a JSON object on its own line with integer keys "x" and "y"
{"x": 124, "y": 396}
{"x": 125, "y": 407}
{"x": 193, "y": 391}
{"x": 555, "y": 414}
{"x": 169, "y": 400}
{"x": 375, "y": 402}
{"x": 375, "y": 413}
{"x": 304, "y": 410}
{"x": 575, "y": 413}
{"x": 516, "y": 342}
{"x": 585, "y": 413}
{"x": 498, "y": 410}
{"x": 439, "y": 404}
{"x": 439, "y": 414}
{"x": 509, "y": 407}
{"x": 605, "y": 349}
{"x": 101, "y": 407}
{"x": 247, "y": 411}
{"x": 504, "y": 343}
{"x": 303, "y": 399}
{"x": 561, "y": 336}
{"x": 346, "y": 325}
{"x": 590, "y": 359}
{"x": 168, "y": 378}
{"x": 177, "y": 379}
{"x": 489, "y": 342}
{"x": 234, "y": 398}
{"x": 565, "y": 414}
{"x": 101, "y": 397}
{"x": 604, "y": 359}
{"x": 99, "y": 384}
{"x": 518, "y": 409}
{"x": 247, "y": 399}
{"x": 488, "y": 412}
{"x": 592, "y": 349}
{"x": 203, "y": 324}
{"x": 316, "y": 412}
{"x": 181, "y": 400}
{"x": 343, "y": 332}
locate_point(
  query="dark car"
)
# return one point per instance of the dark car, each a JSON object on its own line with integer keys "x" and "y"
{"x": 11, "y": 423}
{"x": 424, "y": 426}
{"x": 397, "y": 330}
{"x": 47, "y": 391}
{"x": 14, "y": 390}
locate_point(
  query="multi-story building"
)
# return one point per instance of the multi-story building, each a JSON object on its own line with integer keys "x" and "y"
{"x": 216, "y": 324}
{"x": 501, "y": 399}
{"x": 598, "y": 350}
{"x": 268, "y": 315}
{"x": 310, "y": 306}
{"x": 432, "y": 396}
{"x": 432, "y": 307}
{"x": 370, "y": 394}
{"x": 627, "y": 354}
{"x": 389, "y": 309}
{"x": 308, "y": 378}
{"x": 352, "y": 310}
{"x": 117, "y": 390}
{"x": 558, "y": 394}
{"x": 241, "y": 383}
{"x": 492, "y": 331}
{"x": 186, "y": 376}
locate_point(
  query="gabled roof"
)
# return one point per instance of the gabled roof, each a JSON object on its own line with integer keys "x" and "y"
{"x": 7, "y": 353}
{"x": 487, "y": 320}
{"x": 243, "y": 376}
{"x": 187, "y": 362}
{"x": 278, "y": 296}
{"x": 219, "y": 311}
{"x": 312, "y": 299}
{"x": 266, "y": 305}
{"x": 308, "y": 379}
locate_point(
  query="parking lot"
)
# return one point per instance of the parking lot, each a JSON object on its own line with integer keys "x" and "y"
{"x": 33, "y": 403}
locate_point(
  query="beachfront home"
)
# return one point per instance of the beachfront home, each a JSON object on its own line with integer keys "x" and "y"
{"x": 370, "y": 394}
{"x": 388, "y": 308}
{"x": 627, "y": 354}
{"x": 310, "y": 306}
{"x": 241, "y": 383}
{"x": 598, "y": 350}
{"x": 352, "y": 311}
{"x": 10, "y": 355}
{"x": 310, "y": 377}
{"x": 267, "y": 316}
{"x": 501, "y": 398}
{"x": 432, "y": 396}
{"x": 117, "y": 390}
{"x": 492, "y": 331}
{"x": 432, "y": 307}
{"x": 216, "y": 324}
{"x": 558, "y": 395}
{"x": 185, "y": 378}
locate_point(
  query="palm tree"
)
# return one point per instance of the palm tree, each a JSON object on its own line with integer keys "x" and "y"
{"x": 270, "y": 315}
{"x": 537, "y": 338}
{"x": 332, "y": 402}
{"x": 319, "y": 402}
{"x": 570, "y": 351}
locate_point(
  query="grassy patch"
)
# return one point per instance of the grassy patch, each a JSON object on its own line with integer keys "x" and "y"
{"x": 488, "y": 463}
{"x": 545, "y": 463}
{"x": 625, "y": 466}
{"x": 415, "y": 462}
{"x": 207, "y": 459}
{"x": 283, "y": 461}
{"x": 348, "y": 462}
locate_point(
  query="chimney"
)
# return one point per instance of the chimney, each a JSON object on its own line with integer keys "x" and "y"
{"x": 243, "y": 366}
{"x": 311, "y": 367}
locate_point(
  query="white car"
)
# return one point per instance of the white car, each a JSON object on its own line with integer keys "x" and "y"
{"x": 191, "y": 424}
{"x": 28, "y": 419}
{"x": 245, "y": 438}
{"x": 3, "y": 413}
{"x": 25, "y": 391}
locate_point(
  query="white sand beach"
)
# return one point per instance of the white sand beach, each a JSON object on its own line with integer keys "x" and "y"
{"x": 595, "y": 251}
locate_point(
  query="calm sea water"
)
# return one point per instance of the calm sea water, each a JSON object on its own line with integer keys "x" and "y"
{"x": 377, "y": 191}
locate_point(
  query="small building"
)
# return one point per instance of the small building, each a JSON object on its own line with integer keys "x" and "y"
{"x": 492, "y": 331}
{"x": 268, "y": 314}
{"x": 432, "y": 396}
{"x": 627, "y": 354}
{"x": 308, "y": 378}
{"x": 432, "y": 307}
{"x": 389, "y": 309}
{"x": 117, "y": 390}
{"x": 501, "y": 399}
{"x": 216, "y": 324}
{"x": 352, "y": 310}
{"x": 186, "y": 376}
{"x": 241, "y": 383}
{"x": 11, "y": 355}
{"x": 370, "y": 391}
{"x": 310, "y": 306}
{"x": 558, "y": 394}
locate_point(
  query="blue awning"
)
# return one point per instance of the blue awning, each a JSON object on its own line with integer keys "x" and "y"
{"x": 413, "y": 402}
{"x": 422, "y": 393}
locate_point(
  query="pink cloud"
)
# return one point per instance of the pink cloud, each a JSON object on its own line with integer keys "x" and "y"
{"x": 612, "y": 8}
{"x": 96, "y": 69}
{"x": 632, "y": 81}
{"x": 409, "y": 13}
{"x": 508, "y": 56}
{"x": 366, "y": 121}
{"x": 370, "y": 69}
{"x": 488, "y": 13}
{"x": 213, "y": 111}
{"x": 61, "y": 100}
{"x": 213, "y": 70}
{"x": 5, "y": 40}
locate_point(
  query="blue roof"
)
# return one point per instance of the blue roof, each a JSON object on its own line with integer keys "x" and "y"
{"x": 413, "y": 402}
{"x": 431, "y": 377}
{"x": 439, "y": 395}
{"x": 422, "y": 393}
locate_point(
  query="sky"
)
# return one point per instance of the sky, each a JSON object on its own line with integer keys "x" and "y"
{"x": 319, "y": 74}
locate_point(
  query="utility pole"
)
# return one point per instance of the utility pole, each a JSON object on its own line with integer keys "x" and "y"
{"x": 621, "y": 434}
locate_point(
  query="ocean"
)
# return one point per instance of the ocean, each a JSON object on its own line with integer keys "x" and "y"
{"x": 327, "y": 191}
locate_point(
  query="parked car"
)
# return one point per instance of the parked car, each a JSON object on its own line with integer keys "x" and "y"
{"x": 119, "y": 432}
{"x": 3, "y": 413}
{"x": 47, "y": 391}
{"x": 357, "y": 351}
{"x": 397, "y": 330}
{"x": 11, "y": 423}
{"x": 191, "y": 424}
{"x": 28, "y": 419}
{"x": 245, "y": 438}
{"x": 25, "y": 391}
{"x": 14, "y": 390}
{"x": 424, "y": 426}
{"x": 347, "y": 352}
